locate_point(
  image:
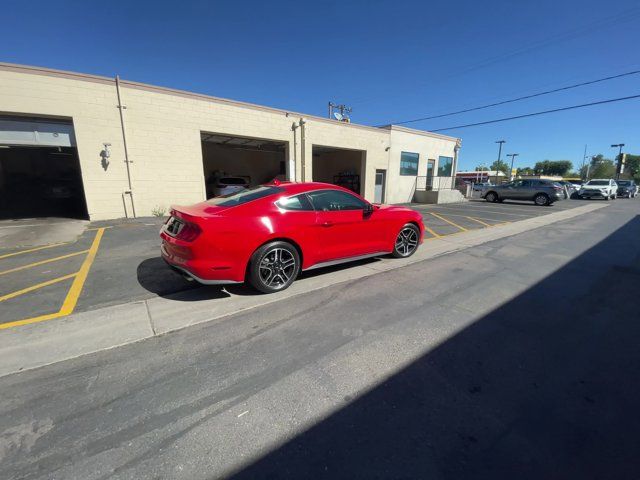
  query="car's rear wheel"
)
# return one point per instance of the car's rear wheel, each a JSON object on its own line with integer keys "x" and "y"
{"x": 407, "y": 241}
{"x": 274, "y": 266}
{"x": 491, "y": 197}
{"x": 541, "y": 199}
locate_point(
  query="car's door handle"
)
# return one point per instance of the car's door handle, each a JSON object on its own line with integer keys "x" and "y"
{"x": 327, "y": 224}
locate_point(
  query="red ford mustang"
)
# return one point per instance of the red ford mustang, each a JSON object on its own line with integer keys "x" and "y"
{"x": 268, "y": 234}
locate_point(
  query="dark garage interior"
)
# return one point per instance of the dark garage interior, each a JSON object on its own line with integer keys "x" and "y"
{"x": 40, "y": 182}
{"x": 249, "y": 161}
{"x": 339, "y": 166}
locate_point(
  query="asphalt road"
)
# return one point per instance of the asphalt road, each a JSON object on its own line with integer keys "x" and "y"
{"x": 515, "y": 359}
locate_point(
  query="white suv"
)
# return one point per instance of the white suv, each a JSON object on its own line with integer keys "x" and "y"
{"x": 599, "y": 188}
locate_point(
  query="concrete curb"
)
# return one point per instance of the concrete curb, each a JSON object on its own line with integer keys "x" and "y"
{"x": 37, "y": 345}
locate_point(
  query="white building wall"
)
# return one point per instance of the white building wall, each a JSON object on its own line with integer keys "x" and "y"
{"x": 163, "y": 129}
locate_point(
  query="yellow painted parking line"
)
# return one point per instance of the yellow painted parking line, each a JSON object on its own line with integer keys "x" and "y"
{"x": 42, "y": 262}
{"x": 73, "y": 294}
{"x": 432, "y": 232}
{"x": 6, "y": 255}
{"x": 34, "y": 287}
{"x": 76, "y": 287}
{"x": 448, "y": 221}
{"x": 479, "y": 221}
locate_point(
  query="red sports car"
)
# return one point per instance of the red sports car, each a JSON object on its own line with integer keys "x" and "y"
{"x": 266, "y": 235}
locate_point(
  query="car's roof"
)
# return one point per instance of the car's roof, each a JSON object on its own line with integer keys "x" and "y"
{"x": 299, "y": 187}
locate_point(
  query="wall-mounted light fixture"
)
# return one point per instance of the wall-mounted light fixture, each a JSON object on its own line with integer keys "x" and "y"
{"x": 105, "y": 154}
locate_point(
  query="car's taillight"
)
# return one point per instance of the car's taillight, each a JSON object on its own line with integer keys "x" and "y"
{"x": 189, "y": 232}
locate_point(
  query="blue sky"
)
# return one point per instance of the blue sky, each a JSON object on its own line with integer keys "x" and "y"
{"x": 391, "y": 61}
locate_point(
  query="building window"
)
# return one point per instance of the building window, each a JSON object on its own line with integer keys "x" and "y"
{"x": 445, "y": 165}
{"x": 409, "y": 163}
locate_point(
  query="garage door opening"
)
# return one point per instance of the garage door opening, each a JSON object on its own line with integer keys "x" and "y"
{"x": 339, "y": 166}
{"x": 231, "y": 163}
{"x": 39, "y": 170}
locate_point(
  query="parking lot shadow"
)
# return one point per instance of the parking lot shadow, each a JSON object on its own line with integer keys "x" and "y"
{"x": 546, "y": 386}
{"x": 155, "y": 276}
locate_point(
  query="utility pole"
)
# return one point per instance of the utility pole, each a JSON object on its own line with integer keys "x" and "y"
{"x": 513, "y": 156}
{"x": 500, "y": 148}
{"x": 619, "y": 165}
{"x": 590, "y": 157}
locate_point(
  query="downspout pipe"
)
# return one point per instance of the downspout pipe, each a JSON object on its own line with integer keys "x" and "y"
{"x": 294, "y": 127}
{"x": 126, "y": 150}
{"x": 303, "y": 148}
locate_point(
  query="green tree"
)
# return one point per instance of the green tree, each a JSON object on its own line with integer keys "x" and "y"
{"x": 632, "y": 166}
{"x": 601, "y": 167}
{"x": 501, "y": 166}
{"x": 553, "y": 167}
{"x": 525, "y": 171}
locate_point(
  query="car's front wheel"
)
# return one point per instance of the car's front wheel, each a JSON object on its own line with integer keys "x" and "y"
{"x": 273, "y": 267}
{"x": 407, "y": 241}
{"x": 542, "y": 200}
{"x": 491, "y": 197}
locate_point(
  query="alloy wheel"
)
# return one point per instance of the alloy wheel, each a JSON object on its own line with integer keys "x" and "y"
{"x": 276, "y": 268}
{"x": 407, "y": 241}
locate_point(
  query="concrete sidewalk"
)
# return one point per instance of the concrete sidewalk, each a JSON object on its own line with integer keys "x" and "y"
{"x": 36, "y": 345}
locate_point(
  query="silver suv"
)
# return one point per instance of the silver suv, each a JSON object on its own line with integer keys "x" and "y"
{"x": 541, "y": 192}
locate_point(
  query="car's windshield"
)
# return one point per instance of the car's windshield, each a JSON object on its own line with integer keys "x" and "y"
{"x": 598, "y": 182}
{"x": 624, "y": 182}
{"x": 244, "y": 196}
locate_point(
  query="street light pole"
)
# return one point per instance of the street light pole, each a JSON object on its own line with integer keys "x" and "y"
{"x": 619, "y": 166}
{"x": 513, "y": 156}
{"x": 500, "y": 148}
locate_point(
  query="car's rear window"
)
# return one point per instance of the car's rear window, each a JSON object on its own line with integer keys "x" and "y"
{"x": 624, "y": 182}
{"x": 244, "y": 196}
{"x": 598, "y": 182}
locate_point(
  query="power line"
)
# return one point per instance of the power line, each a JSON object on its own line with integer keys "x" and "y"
{"x": 595, "y": 26}
{"x": 601, "y": 102}
{"x": 517, "y": 99}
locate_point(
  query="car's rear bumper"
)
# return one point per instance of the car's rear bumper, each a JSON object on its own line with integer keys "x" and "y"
{"x": 593, "y": 194}
{"x": 205, "y": 271}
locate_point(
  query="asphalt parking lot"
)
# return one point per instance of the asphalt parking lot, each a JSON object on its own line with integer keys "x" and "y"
{"x": 117, "y": 262}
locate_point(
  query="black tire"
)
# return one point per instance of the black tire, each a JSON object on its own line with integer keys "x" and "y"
{"x": 273, "y": 267}
{"x": 541, "y": 199}
{"x": 491, "y": 197}
{"x": 406, "y": 242}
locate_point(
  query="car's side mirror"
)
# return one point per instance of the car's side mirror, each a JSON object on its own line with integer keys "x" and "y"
{"x": 368, "y": 209}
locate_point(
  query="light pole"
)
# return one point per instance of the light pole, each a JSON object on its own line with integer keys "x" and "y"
{"x": 513, "y": 156}
{"x": 500, "y": 148}
{"x": 619, "y": 166}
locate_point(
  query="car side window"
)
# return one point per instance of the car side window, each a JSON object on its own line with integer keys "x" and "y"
{"x": 526, "y": 183}
{"x": 517, "y": 183}
{"x": 296, "y": 203}
{"x": 335, "y": 200}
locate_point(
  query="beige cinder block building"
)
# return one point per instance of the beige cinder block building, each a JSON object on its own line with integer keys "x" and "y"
{"x": 100, "y": 148}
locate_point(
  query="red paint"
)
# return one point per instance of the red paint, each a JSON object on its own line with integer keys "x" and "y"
{"x": 220, "y": 240}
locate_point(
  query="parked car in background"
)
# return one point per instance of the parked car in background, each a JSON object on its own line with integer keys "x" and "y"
{"x": 266, "y": 235}
{"x": 606, "y": 188}
{"x": 627, "y": 188}
{"x": 575, "y": 181}
{"x": 478, "y": 187}
{"x": 571, "y": 188}
{"x": 229, "y": 185}
{"x": 541, "y": 192}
